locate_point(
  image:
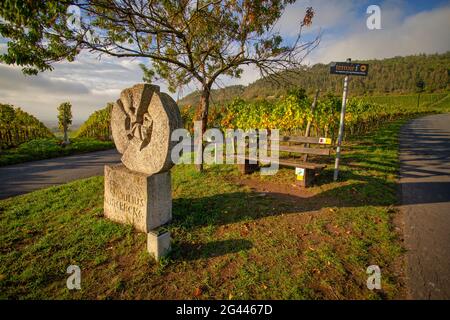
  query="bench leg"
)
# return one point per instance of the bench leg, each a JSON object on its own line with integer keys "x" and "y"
{"x": 308, "y": 178}
{"x": 247, "y": 168}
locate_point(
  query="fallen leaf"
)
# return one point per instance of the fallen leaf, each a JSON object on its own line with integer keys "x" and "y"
{"x": 197, "y": 292}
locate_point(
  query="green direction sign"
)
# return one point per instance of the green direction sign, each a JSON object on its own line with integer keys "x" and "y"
{"x": 348, "y": 68}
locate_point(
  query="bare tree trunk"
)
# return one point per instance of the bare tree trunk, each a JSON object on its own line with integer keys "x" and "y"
{"x": 204, "y": 108}
{"x": 65, "y": 135}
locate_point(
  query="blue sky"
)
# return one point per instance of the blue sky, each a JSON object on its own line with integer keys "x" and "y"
{"x": 407, "y": 27}
{"x": 419, "y": 5}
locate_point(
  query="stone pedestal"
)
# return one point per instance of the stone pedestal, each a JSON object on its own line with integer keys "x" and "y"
{"x": 138, "y": 191}
{"x": 158, "y": 243}
{"x": 144, "y": 201}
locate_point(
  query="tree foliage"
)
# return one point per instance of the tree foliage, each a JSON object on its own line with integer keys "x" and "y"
{"x": 64, "y": 115}
{"x": 33, "y": 28}
{"x": 185, "y": 40}
{"x": 65, "y": 119}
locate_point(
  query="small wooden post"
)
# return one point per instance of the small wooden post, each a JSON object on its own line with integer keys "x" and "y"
{"x": 308, "y": 126}
{"x": 308, "y": 178}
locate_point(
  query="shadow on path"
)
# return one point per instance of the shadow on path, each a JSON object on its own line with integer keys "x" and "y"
{"x": 425, "y": 192}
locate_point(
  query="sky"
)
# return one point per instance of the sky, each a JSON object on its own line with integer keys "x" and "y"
{"x": 407, "y": 27}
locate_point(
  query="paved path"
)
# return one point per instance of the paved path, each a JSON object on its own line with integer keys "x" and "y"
{"x": 25, "y": 177}
{"x": 425, "y": 186}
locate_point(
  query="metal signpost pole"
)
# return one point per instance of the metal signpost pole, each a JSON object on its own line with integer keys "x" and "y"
{"x": 341, "y": 128}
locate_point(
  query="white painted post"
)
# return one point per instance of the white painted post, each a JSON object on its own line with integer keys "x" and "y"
{"x": 341, "y": 127}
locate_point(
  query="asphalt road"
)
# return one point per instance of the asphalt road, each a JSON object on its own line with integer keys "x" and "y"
{"x": 29, "y": 176}
{"x": 425, "y": 188}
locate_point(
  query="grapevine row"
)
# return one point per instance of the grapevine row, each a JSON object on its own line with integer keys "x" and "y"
{"x": 98, "y": 125}
{"x": 17, "y": 126}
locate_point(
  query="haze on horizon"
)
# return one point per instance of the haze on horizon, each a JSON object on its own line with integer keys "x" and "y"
{"x": 408, "y": 27}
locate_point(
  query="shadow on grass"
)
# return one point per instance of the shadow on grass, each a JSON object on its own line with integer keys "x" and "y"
{"x": 185, "y": 251}
{"x": 220, "y": 209}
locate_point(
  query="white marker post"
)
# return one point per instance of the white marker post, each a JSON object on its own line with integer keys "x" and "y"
{"x": 341, "y": 127}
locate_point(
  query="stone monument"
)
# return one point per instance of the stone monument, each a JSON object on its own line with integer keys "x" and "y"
{"x": 138, "y": 191}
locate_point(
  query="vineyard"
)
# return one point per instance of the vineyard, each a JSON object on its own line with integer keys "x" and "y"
{"x": 17, "y": 126}
{"x": 291, "y": 114}
{"x": 97, "y": 126}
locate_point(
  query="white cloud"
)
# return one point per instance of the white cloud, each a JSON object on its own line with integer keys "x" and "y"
{"x": 425, "y": 32}
{"x": 13, "y": 80}
{"x": 329, "y": 14}
{"x": 250, "y": 74}
{"x": 88, "y": 83}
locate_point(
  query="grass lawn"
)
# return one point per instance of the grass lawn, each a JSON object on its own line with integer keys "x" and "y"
{"x": 252, "y": 237}
{"x": 50, "y": 148}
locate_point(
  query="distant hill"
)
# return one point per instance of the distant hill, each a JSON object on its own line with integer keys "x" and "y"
{"x": 392, "y": 75}
{"x": 217, "y": 96}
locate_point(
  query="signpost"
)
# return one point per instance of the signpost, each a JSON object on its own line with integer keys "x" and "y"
{"x": 347, "y": 69}
{"x": 300, "y": 173}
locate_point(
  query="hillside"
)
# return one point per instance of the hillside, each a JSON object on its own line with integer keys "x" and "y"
{"x": 97, "y": 125}
{"x": 217, "y": 96}
{"x": 18, "y": 126}
{"x": 397, "y": 75}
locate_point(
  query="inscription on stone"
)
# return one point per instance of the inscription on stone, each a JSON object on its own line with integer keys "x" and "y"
{"x": 133, "y": 207}
{"x": 143, "y": 201}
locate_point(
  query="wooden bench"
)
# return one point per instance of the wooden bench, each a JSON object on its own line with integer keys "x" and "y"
{"x": 305, "y": 171}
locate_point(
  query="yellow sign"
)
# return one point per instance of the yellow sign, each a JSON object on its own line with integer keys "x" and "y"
{"x": 300, "y": 173}
{"x": 325, "y": 140}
